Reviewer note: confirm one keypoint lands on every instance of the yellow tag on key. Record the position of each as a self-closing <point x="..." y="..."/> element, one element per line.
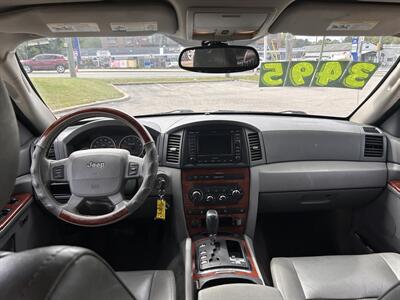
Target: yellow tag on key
<point x="161" y="208"/>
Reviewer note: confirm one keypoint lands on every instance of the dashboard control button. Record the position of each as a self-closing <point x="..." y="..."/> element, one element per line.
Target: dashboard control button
<point x="222" y="198"/>
<point x="236" y="194"/>
<point x="196" y="196"/>
<point x="210" y="198"/>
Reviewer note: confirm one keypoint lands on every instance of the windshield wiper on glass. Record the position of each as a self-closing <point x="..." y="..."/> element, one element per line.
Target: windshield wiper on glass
<point x="293" y="112"/>
<point x="179" y="111"/>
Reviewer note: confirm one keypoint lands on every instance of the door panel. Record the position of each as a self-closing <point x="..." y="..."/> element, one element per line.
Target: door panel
<point x="14" y="224"/>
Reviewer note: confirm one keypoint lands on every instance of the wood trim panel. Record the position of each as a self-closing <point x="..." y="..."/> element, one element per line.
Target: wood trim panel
<point x="15" y="208"/>
<point x="141" y="130"/>
<point x="221" y="272"/>
<point x="100" y="220"/>
<point x="243" y="203"/>
<point x="395" y="184"/>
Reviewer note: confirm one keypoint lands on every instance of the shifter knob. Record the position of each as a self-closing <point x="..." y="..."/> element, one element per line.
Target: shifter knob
<point x="212" y="221"/>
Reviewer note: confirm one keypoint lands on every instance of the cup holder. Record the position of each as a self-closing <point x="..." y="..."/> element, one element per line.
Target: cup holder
<point x="228" y="280"/>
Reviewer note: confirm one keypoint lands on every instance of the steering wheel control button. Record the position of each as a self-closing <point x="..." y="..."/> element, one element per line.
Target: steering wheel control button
<point x="58" y="172"/>
<point x="133" y="169"/>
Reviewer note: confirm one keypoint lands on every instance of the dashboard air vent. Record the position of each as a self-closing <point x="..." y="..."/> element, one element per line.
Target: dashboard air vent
<point x="370" y="130"/>
<point x="255" y="146"/>
<point x="173" y="148"/>
<point x="373" y="146"/>
<point x="51" y="154"/>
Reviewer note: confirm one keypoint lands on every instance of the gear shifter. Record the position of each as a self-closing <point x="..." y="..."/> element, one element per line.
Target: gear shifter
<point x="212" y="223"/>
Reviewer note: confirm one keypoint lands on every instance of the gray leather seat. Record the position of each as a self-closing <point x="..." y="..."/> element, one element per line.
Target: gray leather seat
<point x="65" y="272"/>
<point x="336" y="277"/>
<point x="150" y="284"/>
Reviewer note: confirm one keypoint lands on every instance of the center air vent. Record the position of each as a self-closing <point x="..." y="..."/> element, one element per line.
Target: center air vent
<point x="255" y="146"/>
<point x="173" y="148"/>
<point x="373" y="146"/>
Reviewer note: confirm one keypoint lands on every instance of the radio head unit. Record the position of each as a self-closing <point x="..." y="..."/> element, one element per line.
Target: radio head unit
<point x="214" y="145"/>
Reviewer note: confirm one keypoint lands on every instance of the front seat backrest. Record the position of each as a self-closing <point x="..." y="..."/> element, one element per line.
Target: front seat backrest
<point x="9" y="146"/>
<point x="59" y="272"/>
<point x="392" y="294"/>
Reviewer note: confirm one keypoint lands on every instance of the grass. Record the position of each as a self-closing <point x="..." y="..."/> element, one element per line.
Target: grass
<point x="61" y="93"/>
<point x="65" y="92"/>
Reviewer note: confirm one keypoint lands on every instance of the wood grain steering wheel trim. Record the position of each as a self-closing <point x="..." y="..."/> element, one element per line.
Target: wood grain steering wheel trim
<point x="105" y="219"/>
<point x="139" y="128"/>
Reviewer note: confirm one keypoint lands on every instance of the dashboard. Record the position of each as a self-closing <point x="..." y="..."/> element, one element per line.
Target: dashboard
<point x="244" y="165"/>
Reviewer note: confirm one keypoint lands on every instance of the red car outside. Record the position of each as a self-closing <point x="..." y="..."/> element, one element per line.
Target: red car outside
<point x="46" y="62"/>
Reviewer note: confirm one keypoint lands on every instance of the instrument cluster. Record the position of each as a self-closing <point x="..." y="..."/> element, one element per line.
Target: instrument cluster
<point x="111" y="136"/>
<point x="132" y="143"/>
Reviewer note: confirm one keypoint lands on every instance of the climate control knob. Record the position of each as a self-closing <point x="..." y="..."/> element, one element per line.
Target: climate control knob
<point x="222" y="198"/>
<point x="196" y="196"/>
<point x="236" y="194"/>
<point x="210" y="199"/>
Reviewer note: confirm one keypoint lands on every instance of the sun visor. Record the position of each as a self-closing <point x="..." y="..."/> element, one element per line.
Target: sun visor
<point x="338" y="19"/>
<point x="91" y="19"/>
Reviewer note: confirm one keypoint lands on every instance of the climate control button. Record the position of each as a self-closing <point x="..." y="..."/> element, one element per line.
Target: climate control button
<point x="222" y="198"/>
<point x="196" y="196"/>
<point x="236" y="194"/>
<point x="209" y="199"/>
<point x="215" y="194"/>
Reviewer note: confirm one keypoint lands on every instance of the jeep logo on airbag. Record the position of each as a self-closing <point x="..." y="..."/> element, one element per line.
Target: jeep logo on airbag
<point x="94" y="164"/>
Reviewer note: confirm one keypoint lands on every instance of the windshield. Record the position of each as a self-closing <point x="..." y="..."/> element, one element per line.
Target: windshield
<point x="317" y="75"/>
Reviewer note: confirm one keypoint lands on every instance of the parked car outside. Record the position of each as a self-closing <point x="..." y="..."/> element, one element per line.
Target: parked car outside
<point x="46" y="62"/>
<point x="172" y="65"/>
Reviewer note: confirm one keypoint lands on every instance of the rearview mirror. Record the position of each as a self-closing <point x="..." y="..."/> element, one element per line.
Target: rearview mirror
<point x="219" y="58"/>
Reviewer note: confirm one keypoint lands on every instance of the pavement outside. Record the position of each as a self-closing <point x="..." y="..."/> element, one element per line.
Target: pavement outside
<point x="238" y="95"/>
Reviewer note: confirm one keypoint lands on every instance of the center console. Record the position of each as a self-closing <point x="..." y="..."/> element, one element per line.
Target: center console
<point x="227" y="260"/>
<point x="215" y="175"/>
<point x="216" y="184"/>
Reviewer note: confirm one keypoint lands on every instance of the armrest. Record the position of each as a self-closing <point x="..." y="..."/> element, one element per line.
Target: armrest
<point x="240" y="291"/>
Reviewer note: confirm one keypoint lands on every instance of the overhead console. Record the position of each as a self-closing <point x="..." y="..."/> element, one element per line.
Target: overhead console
<point x="225" y="24"/>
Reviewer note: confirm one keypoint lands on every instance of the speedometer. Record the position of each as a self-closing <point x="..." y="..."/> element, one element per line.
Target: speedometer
<point x="102" y="142"/>
<point x="133" y="144"/>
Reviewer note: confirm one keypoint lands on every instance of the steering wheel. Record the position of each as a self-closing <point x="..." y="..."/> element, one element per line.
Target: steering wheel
<point x="95" y="173"/>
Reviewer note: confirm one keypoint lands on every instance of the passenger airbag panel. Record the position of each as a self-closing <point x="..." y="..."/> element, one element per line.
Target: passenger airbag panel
<point x="321" y="175"/>
<point x="316" y="200"/>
